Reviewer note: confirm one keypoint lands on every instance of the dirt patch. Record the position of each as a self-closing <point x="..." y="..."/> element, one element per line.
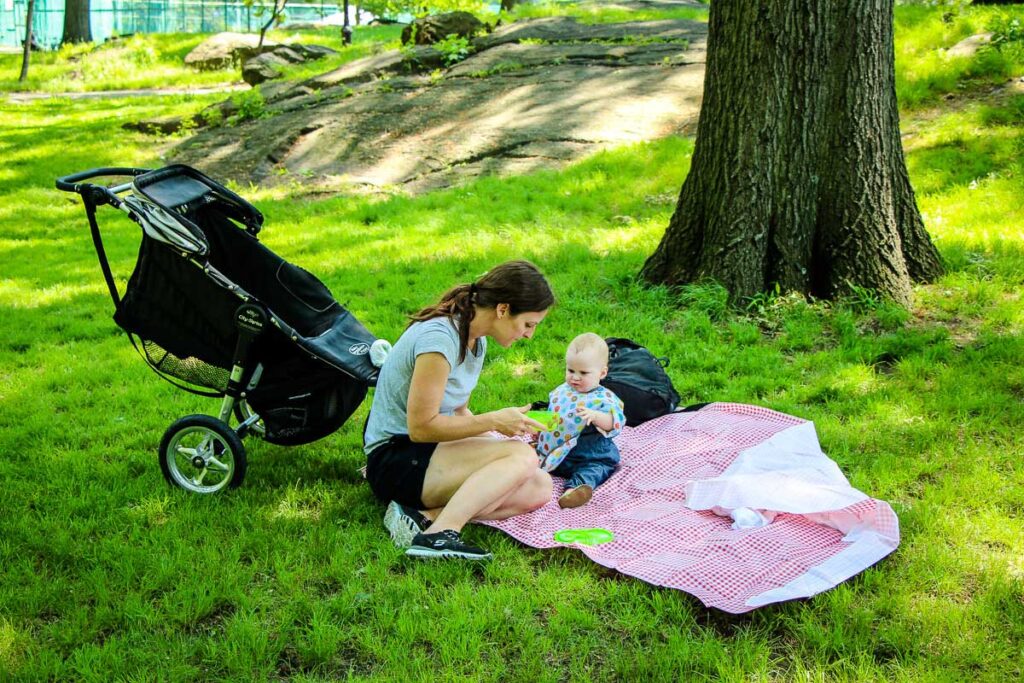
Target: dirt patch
<point x="535" y="94"/>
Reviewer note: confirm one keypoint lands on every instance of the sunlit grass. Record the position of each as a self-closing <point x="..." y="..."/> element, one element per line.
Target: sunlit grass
<point x="925" y="71"/>
<point x="107" y="574"/>
<point x="604" y="14"/>
<point x="158" y="61"/>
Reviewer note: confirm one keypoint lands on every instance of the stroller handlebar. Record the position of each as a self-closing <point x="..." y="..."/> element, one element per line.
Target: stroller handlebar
<point x="71" y="183"/>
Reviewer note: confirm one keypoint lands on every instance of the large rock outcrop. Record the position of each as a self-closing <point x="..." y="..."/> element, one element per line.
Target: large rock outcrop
<point x="387" y="123"/>
<point x="436" y="27"/>
<point x="222" y="50"/>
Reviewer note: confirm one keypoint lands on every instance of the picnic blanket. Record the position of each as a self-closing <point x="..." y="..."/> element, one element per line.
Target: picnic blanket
<point x="734" y="504"/>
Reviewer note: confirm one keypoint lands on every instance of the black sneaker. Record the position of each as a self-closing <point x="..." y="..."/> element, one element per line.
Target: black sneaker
<point x="403" y="523"/>
<point x="445" y="544"/>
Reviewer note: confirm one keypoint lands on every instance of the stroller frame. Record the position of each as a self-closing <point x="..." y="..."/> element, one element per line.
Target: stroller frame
<point x="201" y="453"/>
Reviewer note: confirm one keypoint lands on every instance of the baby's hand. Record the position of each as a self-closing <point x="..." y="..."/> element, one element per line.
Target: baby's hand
<point x="603" y="421"/>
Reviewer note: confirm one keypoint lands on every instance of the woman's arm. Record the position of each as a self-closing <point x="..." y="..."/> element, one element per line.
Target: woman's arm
<point x="427" y="424"/>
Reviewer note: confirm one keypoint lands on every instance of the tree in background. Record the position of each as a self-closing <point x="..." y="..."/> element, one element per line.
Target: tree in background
<point x="275" y="9"/>
<point x="28" y="41"/>
<point x="798" y="179"/>
<point x="76" y="22"/>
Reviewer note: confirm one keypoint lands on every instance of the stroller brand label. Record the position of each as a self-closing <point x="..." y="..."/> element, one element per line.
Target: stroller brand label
<point x="360" y="349"/>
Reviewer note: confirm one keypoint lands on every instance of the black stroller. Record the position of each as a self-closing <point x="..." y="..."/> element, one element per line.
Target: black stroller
<point x="218" y="314"/>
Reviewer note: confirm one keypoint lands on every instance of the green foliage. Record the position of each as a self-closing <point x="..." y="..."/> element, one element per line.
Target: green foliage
<point x="250" y="105"/>
<point x="393" y="8"/>
<point x="925" y="71"/>
<point x="1008" y="35"/>
<point x="598" y="13"/>
<point x="453" y="48"/>
<point x="211" y="117"/>
<point x="157" y="61"/>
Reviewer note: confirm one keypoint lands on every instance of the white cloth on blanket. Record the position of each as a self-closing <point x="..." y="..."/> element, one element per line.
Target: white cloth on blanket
<point x="786" y="473"/>
<point x="789" y="473"/>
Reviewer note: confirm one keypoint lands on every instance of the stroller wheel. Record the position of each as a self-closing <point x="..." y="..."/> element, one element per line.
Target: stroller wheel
<point x="243" y="411"/>
<point x="201" y="454"/>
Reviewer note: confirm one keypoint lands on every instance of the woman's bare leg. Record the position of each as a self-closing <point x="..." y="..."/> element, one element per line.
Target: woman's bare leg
<point x="534" y="493"/>
<point x="472" y="476"/>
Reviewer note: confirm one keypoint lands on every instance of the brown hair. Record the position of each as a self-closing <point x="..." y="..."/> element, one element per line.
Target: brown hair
<point x="516" y="283"/>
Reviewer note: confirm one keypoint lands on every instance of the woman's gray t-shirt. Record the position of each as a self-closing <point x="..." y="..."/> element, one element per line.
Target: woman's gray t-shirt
<point x="390" y="409"/>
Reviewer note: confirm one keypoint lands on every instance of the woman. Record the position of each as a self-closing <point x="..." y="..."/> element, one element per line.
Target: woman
<point x="426" y="452"/>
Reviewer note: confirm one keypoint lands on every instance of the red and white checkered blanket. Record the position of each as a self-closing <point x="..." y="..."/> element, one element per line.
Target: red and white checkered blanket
<point x="681" y="478"/>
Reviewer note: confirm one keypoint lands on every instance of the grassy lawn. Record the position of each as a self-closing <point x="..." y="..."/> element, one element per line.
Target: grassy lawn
<point x="108" y="574"/>
<point x="158" y="61"/>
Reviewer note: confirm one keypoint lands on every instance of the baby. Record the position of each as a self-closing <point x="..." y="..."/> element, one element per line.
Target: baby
<point x="580" y="447"/>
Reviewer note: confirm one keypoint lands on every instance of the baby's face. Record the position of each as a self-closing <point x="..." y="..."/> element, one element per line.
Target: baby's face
<point x="584" y="370"/>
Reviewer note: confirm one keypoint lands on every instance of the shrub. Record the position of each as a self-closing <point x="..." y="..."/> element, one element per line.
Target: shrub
<point x="453" y="48"/>
<point x="251" y="106"/>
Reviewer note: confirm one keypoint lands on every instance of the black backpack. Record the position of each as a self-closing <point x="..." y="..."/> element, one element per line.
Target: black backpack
<point x="640" y="380"/>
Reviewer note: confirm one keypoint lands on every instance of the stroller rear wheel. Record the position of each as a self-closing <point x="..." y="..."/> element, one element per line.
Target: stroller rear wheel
<point x="201" y="454"/>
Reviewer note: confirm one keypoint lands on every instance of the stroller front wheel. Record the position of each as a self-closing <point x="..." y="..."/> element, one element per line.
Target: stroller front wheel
<point x="201" y="454"/>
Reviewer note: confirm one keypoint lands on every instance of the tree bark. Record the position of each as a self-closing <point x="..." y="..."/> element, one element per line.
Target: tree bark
<point x="77" y="28"/>
<point x="27" y="52"/>
<point x="798" y="177"/>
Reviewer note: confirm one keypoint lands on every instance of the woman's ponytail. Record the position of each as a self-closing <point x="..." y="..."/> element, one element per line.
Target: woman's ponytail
<point x="516" y="283"/>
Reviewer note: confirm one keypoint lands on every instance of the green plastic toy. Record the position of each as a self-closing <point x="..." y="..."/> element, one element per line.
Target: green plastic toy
<point x="545" y="417"/>
<point x="584" y="536"/>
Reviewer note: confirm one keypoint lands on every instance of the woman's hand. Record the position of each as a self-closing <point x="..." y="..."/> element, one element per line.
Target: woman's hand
<point x="513" y="422"/>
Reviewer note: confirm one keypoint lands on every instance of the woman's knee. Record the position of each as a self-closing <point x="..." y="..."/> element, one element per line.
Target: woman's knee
<point x="540" y="486"/>
<point x="524" y="459"/>
<point x="534" y="493"/>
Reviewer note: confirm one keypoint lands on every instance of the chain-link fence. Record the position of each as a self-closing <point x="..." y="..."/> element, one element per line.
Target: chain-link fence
<point x="122" y="17"/>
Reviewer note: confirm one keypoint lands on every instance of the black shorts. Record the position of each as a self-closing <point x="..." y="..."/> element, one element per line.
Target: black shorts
<point x="396" y="469"/>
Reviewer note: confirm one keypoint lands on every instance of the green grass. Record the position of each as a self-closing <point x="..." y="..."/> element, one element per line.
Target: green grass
<point x="158" y="61"/>
<point x="603" y="14"/>
<point x="925" y="71"/>
<point x="108" y="574"/>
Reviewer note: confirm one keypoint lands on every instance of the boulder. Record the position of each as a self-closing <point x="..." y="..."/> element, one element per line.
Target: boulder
<point x="970" y="45"/>
<point x="262" y="68"/>
<point x="312" y="52"/>
<point x="222" y="50"/>
<point x="431" y="29"/>
<point x="165" y="125"/>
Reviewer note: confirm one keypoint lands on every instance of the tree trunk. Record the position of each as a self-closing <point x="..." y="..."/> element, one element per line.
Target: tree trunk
<point x="25" y="55"/>
<point x="274" y="14"/>
<point x="798" y="177"/>
<point x="77" y="28"/>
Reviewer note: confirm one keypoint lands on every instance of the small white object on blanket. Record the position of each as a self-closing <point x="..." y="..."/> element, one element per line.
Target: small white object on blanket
<point x="745" y="518"/>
